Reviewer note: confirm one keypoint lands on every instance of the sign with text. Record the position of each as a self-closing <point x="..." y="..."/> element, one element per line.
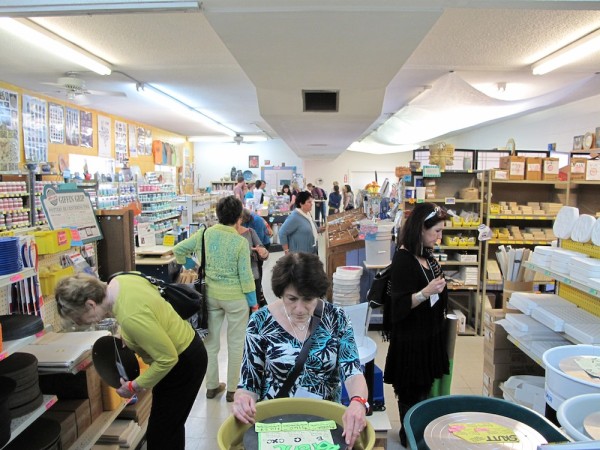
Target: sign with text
<point x="71" y="208"/>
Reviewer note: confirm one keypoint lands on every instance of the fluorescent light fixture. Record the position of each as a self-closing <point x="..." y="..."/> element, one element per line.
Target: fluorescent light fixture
<point x="225" y="139"/>
<point x="569" y="54"/>
<point x="52" y="43"/>
<point x="177" y="105"/>
<point x="20" y="8"/>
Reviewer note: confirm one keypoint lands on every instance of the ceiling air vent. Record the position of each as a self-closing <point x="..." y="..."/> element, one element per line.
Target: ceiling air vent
<point x="320" y="101"/>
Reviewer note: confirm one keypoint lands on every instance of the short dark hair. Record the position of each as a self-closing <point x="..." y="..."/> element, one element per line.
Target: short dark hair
<point x="410" y="235"/>
<point x="257" y="183"/>
<point x="303" y="271"/>
<point x="240" y="179"/>
<point x="348" y="188"/>
<point x="229" y="210"/>
<point x="301" y="198"/>
<point x="336" y="188"/>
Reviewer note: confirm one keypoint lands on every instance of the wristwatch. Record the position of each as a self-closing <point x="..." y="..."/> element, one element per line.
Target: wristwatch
<point x="362" y="400"/>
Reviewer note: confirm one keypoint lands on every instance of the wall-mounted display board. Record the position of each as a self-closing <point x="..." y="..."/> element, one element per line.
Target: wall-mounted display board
<point x="277" y="176"/>
<point x="68" y="207"/>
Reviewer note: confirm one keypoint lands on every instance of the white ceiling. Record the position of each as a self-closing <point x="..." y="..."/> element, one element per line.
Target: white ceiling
<point x="245" y="62"/>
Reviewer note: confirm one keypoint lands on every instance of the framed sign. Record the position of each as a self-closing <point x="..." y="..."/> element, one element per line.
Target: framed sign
<point x="69" y="207"/>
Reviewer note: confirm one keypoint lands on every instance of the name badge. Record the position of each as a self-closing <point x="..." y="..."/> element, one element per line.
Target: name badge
<point x="433" y="299"/>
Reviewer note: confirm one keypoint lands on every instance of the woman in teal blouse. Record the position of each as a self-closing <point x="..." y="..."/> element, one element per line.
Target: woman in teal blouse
<point x="230" y="290"/>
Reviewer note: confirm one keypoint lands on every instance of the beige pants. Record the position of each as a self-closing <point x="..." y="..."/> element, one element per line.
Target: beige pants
<point x="236" y="312"/>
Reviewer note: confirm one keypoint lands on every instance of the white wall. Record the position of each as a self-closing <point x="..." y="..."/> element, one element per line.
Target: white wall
<point x="535" y="131"/>
<point x="213" y="161"/>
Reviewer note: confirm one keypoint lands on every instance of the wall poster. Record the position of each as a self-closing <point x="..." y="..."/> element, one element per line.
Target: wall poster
<point x="148" y="150"/>
<point x="72" y="127"/>
<point x="57" y="123"/>
<point x="141" y="140"/>
<point x="120" y="141"/>
<point x="104" y="136"/>
<point x="132" y="139"/>
<point x="9" y="131"/>
<point x="86" y="129"/>
<point x="35" y="133"/>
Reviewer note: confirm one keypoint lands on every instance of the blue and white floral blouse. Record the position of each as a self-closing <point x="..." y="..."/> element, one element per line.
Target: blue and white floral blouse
<point x="270" y="353"/>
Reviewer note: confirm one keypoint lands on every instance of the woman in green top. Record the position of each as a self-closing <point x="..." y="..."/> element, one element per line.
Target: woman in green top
<point x="150" y="327"/>
<point x="230" y="290"/>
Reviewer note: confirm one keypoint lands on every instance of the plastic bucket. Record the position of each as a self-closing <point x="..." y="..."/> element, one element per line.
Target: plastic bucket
<point x="562" y="385"/>
<point x="573" y="412"/>
<point x="231" y="432"/>
<point x="349" y="271"/>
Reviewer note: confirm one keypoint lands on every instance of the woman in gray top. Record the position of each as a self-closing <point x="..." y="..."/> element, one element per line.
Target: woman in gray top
<point x="299" y="231"/>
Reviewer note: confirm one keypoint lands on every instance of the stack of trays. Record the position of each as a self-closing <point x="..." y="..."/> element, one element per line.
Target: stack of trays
<point x="23" y="369"/>
<point x="539" y="347"/>
<point x="10" y="260"/>
<point x="542" y="255"/>
<point x="43" y="434"/>
<point x="585" y="270"/>
<point x="526" y="302"/>
<point x="346" y="285"/>
<point x="586" y="333"/>
<point x="561" y="259"/>
<point x="525" y="328"/>
<point x="555" y="317"/>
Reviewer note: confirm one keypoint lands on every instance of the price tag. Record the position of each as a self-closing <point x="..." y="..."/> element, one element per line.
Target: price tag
<point x="450" y="201"/>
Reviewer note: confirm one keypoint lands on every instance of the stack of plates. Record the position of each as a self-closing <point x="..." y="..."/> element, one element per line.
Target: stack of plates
<point x="542" y="255"/>
<point x="10" y="262"/>
<point x="23" y="369"/>
<point x="346" y="285"/>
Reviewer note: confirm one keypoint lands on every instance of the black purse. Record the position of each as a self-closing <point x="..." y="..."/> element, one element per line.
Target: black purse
<point x="201" y="319"/>
<point x="184" y="298"/>
<point x="379" y="293"/>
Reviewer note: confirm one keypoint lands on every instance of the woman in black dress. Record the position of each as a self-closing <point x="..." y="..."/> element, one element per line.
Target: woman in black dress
<point x="414" y="319"/>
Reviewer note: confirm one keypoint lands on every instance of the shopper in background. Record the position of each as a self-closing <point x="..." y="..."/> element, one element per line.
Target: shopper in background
<point x="295" y="190"/>
<point x="320" y="198"/>
<point x="249" y="195"/>
<point x="259" y="193"/>
<point x="230" y="290"/>
<point x="414" y="319"/>
<point x="150" y="327"/>
<point x="348" y="197"/>
<point x="238" y="190"/>
<point x="299" y="231"/>
<point x="335" y="200"/>
<point x="259" y="227"/>
<point x="275" y="336"/>
<point x="285" y="190"/>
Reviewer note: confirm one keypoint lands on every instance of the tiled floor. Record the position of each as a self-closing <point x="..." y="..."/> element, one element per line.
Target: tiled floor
<point x="207" y="415"/>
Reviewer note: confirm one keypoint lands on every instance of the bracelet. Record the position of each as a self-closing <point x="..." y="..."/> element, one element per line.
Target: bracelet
<point x="361" y="400"/>
<point x="130" y="387"/>
<point x="420" y="297"/>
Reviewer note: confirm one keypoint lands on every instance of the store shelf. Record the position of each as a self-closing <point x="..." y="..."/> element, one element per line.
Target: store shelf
<point x="458" y="263"/>
<point x="82" y="363"/>
<point x="559" y="184"/>
<point x="563" y="279"/>
<point x="10" y="347"/>
<point x="20" y="424"/>
<point x="11" y="278"/>
<point x="521" y="217"/>
<point x="520" y="242"/>
<point x="521" y="346"/>
<point x="96" y="429"/>
<point x="474" y="248"/>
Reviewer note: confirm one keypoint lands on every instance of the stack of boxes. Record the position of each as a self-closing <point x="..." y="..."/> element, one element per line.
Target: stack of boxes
<point x="501" y="358"/>
<point x="521" y="168"/>
<point x="341" y="228"/>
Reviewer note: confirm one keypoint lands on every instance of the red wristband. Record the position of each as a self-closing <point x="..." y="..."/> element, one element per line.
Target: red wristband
<point x="130" y="387"/>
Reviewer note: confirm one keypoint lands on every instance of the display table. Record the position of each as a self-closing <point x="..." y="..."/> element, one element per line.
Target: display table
<point x="157" y="261"/>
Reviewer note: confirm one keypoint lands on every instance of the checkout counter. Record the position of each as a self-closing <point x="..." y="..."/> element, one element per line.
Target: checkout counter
<point x="157" y="261"/>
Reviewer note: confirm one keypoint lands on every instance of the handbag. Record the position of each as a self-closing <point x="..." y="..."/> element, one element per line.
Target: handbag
<point x="201" y="320"/>
<point x="379" y="294"/>
<point x="301" y="358"/>
<point x="185" y="299"/>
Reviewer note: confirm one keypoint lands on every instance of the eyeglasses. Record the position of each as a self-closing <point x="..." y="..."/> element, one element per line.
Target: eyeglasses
<point x="436" y="211"/>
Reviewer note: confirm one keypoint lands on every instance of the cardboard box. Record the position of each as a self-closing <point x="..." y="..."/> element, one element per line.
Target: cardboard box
<point x="550" y="168"/>
<point x="514" y="286"/>
<point x="81" y="408"/>
<point x="503" y="372"/>
<point x="506" y="356"/>
<point x="533" y="168"/>
<point x="498" y="174"/>
<point x="490" y="316"/>
<point x="493" y="389"/>
<point x="578" y="166"/>
<point x="592" y="170"/>
<point x="461" y="320"/>
<point x="515" y="166"/>
<point x="495" y="337"/>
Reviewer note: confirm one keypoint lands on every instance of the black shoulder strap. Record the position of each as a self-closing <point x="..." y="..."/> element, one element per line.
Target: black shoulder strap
<point x="152" y="280"/>
<point x="202" y="268"/>
<point x="301" y="358"/>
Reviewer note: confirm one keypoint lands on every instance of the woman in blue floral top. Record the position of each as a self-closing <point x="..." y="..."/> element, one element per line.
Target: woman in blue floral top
<point x="274" y="338"/>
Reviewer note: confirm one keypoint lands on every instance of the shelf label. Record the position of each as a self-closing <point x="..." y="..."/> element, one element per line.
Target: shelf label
<point x="16" y="277"/>
<point x="450" y="201"/>
<point x="51" y="403"/>
<point x="169" y="240"/>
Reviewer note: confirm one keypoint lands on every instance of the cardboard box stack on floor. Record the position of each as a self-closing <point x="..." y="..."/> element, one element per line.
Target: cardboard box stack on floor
<point x="501" y="359"/>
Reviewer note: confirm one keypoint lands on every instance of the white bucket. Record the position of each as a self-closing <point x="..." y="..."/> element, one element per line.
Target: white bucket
<point x="573" y="412"/>
<point x="378" y="252"/>
<point x="349" y="271"/>
<point x="561" y="384"/>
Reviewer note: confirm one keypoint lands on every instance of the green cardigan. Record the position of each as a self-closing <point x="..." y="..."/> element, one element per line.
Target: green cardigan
<point x="228" y="270"/>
